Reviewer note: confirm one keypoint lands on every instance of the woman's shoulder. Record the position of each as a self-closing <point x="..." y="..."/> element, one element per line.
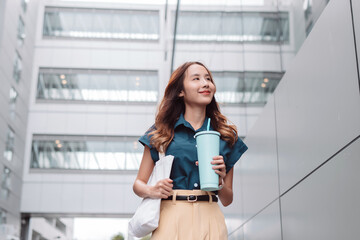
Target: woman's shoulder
<point x="145" y="140"/>
<point x="147" y="134"/>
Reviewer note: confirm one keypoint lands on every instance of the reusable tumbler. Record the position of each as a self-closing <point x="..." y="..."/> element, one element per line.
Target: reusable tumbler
<point x="208" y="146"/>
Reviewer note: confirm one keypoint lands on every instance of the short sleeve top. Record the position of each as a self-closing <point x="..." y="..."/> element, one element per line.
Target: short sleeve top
<point x="184" y="172"/>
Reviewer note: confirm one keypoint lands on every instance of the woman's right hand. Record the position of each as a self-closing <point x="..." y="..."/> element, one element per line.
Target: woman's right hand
<point x="162" y="189"/>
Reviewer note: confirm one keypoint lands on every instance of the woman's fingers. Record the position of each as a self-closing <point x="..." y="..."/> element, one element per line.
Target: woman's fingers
<point x="222" y="174"/>
<point x="219" y="166"/>
<point x="218" y="162"/>
<point x="163" y="188"/>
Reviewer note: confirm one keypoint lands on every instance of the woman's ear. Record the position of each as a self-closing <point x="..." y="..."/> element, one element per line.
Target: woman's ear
<point x="181" y="94"/>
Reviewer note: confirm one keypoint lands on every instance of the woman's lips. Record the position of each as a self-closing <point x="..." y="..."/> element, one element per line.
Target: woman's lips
<point x="205" y="92"/>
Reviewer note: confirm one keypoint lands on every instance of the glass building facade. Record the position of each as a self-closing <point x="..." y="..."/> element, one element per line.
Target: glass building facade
<point x="9" y="145"/>
<point x="85" y="153"/>
<point x="249" y="27"/>
<point x="97" y="85"/>
<point x="17" y="69"/>
<point x="245" y="87"/>
<point x="101" y="23"/>
<point x="5" y="183"/>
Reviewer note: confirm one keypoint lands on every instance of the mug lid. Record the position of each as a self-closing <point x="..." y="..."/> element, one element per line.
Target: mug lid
<point x="206" y="132"/>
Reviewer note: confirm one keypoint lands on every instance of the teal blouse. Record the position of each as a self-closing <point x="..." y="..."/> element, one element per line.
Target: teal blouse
<point x="184" y="172"/>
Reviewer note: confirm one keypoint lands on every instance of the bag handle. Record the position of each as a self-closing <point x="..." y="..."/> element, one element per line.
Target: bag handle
<point x="161" y="153"/>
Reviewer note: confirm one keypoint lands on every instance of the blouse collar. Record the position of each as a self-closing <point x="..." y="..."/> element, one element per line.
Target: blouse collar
<point x="182" y="121"/>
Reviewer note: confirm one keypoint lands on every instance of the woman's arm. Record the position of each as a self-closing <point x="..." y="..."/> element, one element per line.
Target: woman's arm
<point x="226" y="193"/>
<point x="162" y="189"/>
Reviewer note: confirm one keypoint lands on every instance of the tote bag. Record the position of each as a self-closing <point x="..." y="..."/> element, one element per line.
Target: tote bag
<point x="146" y="217"/>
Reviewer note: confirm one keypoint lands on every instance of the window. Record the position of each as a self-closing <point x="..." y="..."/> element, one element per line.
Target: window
<point x="245" y="87"/>
<point x="21" y="32"/>
<point x="98" y="85"/>
<point x="309" y="27"/>
<point x="2" y="216"/>
<point x="37" y="236"/>
<point x="307" y="6"/>
<point x="5" y="183"/>
<point x="9" y="145"/>
<point x="85" y="152"/>
<point x="24" y="4"/>
<point x="60" y="225"/>
<point x="17" y="67"/>
<point x="12" y="102"/>
<point x="252" y="27"/>
<point x="101" y="23"/>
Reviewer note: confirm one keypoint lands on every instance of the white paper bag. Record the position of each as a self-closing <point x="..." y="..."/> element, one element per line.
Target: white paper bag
<point x="146" y="217"/>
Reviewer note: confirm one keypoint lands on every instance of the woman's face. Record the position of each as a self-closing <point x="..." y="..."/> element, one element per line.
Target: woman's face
<point x="198" y="87"/>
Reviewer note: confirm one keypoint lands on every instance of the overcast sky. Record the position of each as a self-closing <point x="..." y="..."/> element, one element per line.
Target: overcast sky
<point x="99" y="228"/>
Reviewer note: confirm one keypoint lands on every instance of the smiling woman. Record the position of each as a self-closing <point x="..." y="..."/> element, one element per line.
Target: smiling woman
<point x="199" y="87"/>
<point x="185" y="110"/>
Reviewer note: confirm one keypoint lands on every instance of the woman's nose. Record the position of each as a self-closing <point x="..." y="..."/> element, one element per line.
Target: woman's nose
<point x="204" y="82"/>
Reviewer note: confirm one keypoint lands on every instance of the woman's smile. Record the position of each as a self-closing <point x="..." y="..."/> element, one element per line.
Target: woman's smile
<point x="197" y="82"/>
<point x="205" y="92"/>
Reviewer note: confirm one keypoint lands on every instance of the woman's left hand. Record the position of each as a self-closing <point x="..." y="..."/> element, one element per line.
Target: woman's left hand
<point x="219" y="167"/>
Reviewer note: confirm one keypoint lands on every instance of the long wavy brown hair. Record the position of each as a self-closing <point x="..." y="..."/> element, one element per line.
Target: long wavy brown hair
<point x="172" y="106"/>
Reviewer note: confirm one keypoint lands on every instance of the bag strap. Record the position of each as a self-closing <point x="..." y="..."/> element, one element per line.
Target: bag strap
<point x="161" y="153"/>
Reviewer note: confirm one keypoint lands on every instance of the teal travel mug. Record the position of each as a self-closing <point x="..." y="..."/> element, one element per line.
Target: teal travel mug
<point x="208" y="146"/>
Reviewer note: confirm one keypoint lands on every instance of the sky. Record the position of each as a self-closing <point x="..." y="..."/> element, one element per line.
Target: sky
<point x="99" y="228"/>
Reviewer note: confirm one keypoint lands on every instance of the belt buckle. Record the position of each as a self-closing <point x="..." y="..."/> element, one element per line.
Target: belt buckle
<point x="192" y="198"/>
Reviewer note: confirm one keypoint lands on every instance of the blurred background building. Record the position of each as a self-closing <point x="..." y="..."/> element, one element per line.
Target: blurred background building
<point x="81" y="80"/>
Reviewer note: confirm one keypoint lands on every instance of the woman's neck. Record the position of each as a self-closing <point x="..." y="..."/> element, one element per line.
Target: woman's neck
<point x="195" y="116"/>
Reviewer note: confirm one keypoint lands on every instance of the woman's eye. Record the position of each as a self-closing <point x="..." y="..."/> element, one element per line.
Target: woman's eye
<point x="196" y="78"/>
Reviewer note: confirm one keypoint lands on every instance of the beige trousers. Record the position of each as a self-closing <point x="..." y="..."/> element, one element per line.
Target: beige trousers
<point x="183" y="220"/>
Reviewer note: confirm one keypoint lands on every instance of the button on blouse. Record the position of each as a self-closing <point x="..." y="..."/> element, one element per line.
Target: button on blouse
<point x="184" y="171"/>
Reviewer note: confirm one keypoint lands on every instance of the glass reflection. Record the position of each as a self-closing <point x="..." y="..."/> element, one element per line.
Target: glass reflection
<point x="57" y="152"/>
<point x="254" y="27"/>
<point x="98" y="85"/>
<point x="5" y="183"/>
<point x="2" y="216"/>
<point x="9" y="145"/>
<point x="101" y="23"/>
<point x="245" y="87"/>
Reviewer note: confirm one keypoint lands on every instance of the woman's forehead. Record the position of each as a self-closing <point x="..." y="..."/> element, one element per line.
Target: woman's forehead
<point x="196" y="69"/>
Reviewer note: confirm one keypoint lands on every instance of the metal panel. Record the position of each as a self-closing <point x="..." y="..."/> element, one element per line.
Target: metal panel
<point x="356" y="16"/>
<point x="265" y="225"/>
<point x="259" y="169"/>
<point x="326" y="205"/>
<point x="236" y="235"/>
<point x="50" y="197"/>
<point x="72" y="197"/>
<point x="234" y="213"/>
<point x="317" y="101"/>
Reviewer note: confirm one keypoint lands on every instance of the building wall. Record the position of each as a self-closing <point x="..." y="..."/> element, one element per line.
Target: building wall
<point x="47" y="228"/>
<point x="82" y="193"/>
<point x="10" y="12"/>
<point x="2" y="9"/>
<point x="76" y="193"/>
<point x="355" y="8"/>
<point x="298" y="179"/>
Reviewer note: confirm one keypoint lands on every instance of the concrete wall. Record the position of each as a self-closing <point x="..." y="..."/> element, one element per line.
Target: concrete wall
<point x="299" y="178"/>
<point x="10" y="11"/>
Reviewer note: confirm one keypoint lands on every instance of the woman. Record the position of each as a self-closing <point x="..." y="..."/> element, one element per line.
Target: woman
<point x="187" y="104"/>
